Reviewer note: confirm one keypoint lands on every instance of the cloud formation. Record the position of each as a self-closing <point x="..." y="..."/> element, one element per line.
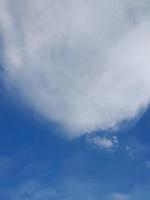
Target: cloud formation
<point x="84" y="64"/>
<point x="103" y="142"/>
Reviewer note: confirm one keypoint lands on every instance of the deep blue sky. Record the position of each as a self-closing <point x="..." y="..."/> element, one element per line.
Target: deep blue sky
<point x="37" y="163"/>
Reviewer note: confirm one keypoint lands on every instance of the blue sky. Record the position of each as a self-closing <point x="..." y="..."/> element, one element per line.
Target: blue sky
<point x="74" y="100"/>
<point x="37" y="163"/>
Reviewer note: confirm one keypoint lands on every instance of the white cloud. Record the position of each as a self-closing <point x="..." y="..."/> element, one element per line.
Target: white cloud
<point x="84" y="64"/>
<point x="103" y="142"/>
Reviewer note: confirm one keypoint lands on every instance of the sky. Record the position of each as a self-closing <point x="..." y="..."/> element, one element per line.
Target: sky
<point x="74" y="100"/>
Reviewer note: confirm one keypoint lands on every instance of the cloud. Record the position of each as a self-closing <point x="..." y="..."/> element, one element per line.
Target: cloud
<point x="34" y="182"/>
<point x="36" y="190"/>
<point x="83" y="64"/>
<point x="103" y="142"/>
<point x="31" y="189"/>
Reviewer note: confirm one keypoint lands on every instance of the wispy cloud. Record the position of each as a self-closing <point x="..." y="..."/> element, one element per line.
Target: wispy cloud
<point x="103" y="142"/>
<point x="33" y="181"/>
<point x="138" y="193"/>
<point x="119" y="196"/>
<point x="83" y="64"/>
<point x="72" y="190"/>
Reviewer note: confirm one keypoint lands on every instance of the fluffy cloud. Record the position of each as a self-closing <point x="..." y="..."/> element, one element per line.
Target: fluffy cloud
<point x="84" y="64"/>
